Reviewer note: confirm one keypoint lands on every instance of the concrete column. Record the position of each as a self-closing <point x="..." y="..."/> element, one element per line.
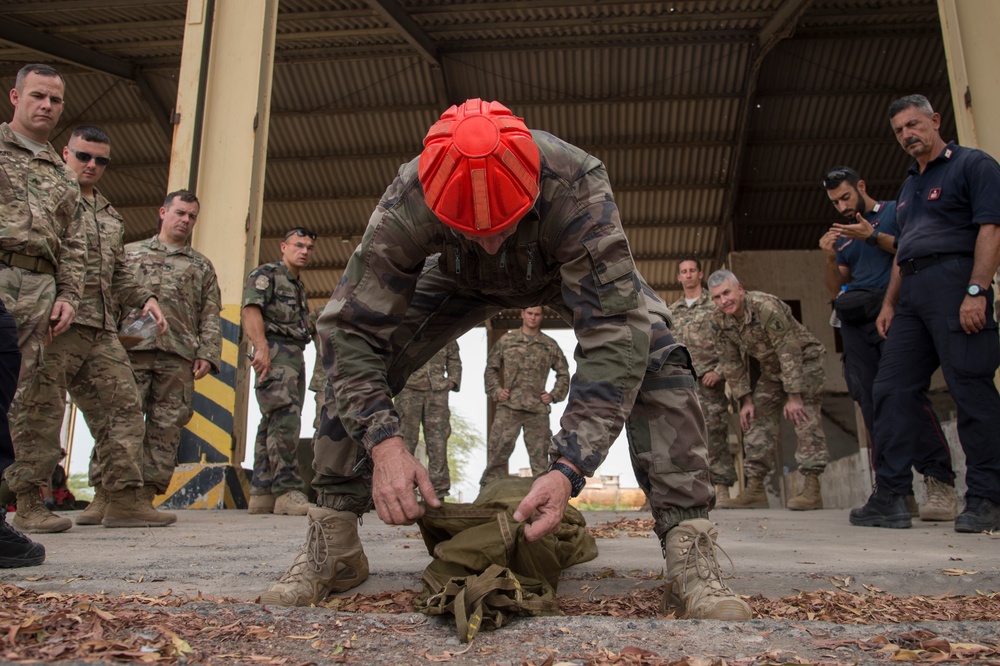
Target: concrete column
<point x="219" y="152"/>
<point x="973" y="51"/>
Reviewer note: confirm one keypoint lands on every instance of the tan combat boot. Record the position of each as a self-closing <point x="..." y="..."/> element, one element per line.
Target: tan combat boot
<point x="721" y="496"/>
<point x="133" y="507"/>
<point x="261" y="504"/>
<point x="941" y="503"/>
<point x="34" y="517"/>
<point x="809" y="499"/>
<point x="331" y="560"/>
<point x="292" y="503"/>
<point x="753" y="496"/>
<point x="911" y="506"/>
<point x="694" y="584"/>
<point x="94" y="513"/>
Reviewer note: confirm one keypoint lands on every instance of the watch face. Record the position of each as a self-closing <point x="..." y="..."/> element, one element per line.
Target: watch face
<point x="974" y="290"/>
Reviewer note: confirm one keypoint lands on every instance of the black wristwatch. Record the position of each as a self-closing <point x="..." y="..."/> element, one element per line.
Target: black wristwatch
<point x="576" y="480"/>
<point x="873" y="239"/>
<point x="975" y="290"/>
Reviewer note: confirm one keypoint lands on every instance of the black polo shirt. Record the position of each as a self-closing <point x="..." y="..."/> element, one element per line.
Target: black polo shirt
<point x="939" y="211"/>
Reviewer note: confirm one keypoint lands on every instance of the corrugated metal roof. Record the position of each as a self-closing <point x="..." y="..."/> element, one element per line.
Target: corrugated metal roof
<point x="657" y="90"/>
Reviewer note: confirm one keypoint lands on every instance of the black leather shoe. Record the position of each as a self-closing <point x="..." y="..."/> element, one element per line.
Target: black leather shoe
<point x="883" y="509"/>
<point x="17" y="550"/>
<point x="980" y="515"/>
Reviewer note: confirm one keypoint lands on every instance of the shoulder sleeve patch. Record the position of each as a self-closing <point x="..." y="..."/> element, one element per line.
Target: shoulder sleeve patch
<point x="261" y="283"/>
<point x="776" y="324"/>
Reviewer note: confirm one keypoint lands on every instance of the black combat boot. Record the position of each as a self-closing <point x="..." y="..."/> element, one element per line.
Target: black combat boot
<point x="884" y="509"/>
<point x="17" y="550"/>
<point x="980" y="515"/>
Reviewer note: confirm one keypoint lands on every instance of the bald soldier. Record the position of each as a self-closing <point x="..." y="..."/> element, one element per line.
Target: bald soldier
<point x="759" y="326"/>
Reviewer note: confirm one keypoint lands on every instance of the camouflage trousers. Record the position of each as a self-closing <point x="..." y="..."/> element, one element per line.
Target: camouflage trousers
<point x="166" y="389"/>
<point x="430" y="408"/>
<point x="769" y="400"/>
<point x="28" y="297"/>
<point x="715" y="405"/>
<point x="92" y="365"/>
<point x="666" y="428"/>
<point x="507" y="424"/>
<point x="280" y="394"/>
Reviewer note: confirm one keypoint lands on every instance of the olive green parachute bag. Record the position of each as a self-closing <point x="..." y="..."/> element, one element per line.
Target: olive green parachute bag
<point x="484" y="571"/>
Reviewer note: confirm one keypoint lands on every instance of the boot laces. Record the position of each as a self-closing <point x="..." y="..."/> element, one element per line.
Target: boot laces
<point x="700" y="557"/>
<point x="314" y="553"/>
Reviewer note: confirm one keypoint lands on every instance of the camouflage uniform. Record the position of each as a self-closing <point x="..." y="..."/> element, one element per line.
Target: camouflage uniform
<point x="525" y="361"/>
<point x="693" y="328"/>
<point x="396" y="306"/>
<point x="90" y="362"/>
<point x="425" y="398"/>
<point x="791" y="361"/>
<point x="281" y="298"/>
<point x="187" y="290"/>
<point x="42" y="243"/>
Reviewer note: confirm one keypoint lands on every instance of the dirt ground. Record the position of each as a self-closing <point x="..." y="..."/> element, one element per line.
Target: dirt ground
<point x="185" y="594"/>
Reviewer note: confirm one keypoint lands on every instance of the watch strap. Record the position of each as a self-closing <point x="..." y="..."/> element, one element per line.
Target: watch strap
<point x="576" y="480"/>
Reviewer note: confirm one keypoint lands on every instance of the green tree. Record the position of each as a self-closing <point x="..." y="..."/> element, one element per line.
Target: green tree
<point x="463" y="441"/>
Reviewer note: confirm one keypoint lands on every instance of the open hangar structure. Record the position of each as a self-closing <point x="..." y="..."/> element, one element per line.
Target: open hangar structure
<point x="716" y="120"/>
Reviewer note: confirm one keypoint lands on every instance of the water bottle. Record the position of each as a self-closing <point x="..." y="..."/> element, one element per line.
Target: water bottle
<point x="138" y="331"/>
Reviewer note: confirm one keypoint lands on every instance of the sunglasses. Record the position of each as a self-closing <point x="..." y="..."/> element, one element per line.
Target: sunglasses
<point x="300" y="231"/>
<point x="86" y="157"/>
<point x="837" y="176"/>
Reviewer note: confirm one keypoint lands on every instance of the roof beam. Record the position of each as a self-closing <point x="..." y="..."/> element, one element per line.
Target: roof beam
<point x="780" y="26"/>
<point x="393" y="14"/>
<point x="27" y="37"/>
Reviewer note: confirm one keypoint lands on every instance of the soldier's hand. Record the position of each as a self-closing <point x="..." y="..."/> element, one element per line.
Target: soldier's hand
<point x="544" y="505"/>
<point x="972" y="314"/>
<point x="261" y="361"/>
<point x="200" y="368"/>
<point x="884" y="320"/>
<point x="504" y="395"/>
<point x="828" y="243"/>
<point x="396" y="474"/>
<point x="711" y="378"/>
<point x="795" y="409"/>
<point x="860" y="230"/>
<point x="747" y="414"/>
<point x="153" y="306"/>
<point x="546" y="398"/>
<point x="62" y="316"/>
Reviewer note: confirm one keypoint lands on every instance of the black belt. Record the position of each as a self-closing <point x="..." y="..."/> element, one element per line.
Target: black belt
<point x="33" y="264"/>
<point x="911" y="266"/>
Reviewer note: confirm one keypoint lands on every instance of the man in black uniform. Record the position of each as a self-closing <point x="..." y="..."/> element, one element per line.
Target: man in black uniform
<point x="939" y="305"/>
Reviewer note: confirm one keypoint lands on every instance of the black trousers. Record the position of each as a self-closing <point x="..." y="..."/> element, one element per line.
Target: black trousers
<point x="925" y="334"/>
<point x="10" y="366"/>
<point x="862" y="354"/>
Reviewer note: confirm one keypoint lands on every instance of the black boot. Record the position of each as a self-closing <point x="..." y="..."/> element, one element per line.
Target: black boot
<point x="17" y="550"/>
<point x="980" y="515"/>
<point x="884" y="509"/>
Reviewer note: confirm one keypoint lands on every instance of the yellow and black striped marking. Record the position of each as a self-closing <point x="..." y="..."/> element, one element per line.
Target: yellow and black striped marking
<point x="205" y="477"/>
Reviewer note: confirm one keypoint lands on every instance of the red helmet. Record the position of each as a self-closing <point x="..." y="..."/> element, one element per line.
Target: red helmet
<point x="479" y="168"/>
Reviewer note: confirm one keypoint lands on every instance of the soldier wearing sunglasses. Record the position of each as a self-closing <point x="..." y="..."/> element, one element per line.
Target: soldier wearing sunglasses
<point x="89" y="361"/>
<point x="276" y="319"/>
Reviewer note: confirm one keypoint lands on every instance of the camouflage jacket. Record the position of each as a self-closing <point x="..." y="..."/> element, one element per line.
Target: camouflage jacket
<point x="525" y="361"/>
<point x="770" y="334"/>
<point x="439" y="372"/>
<point x="693" y="328"/>
<point x="40" y="214"/>
<point x="109" y="282"/>
<point x="282" y="300"/>
<point x="569" y="252"/>
<point x="318" y="380"/>
<point x="187" y="290"/>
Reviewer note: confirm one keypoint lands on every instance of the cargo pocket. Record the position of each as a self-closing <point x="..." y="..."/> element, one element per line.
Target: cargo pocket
<point x="613" y="272"/>
<point x="975" y="355"/>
